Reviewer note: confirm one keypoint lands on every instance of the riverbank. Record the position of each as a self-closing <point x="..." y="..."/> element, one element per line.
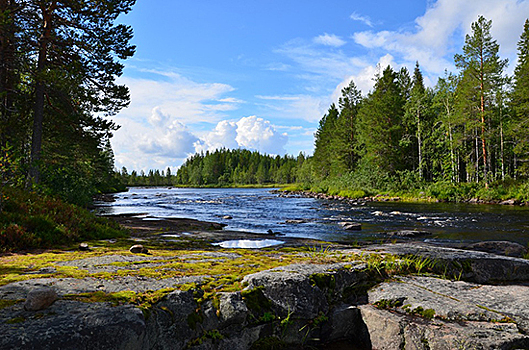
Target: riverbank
<point x="292" y="191"/>
<point x="183" y="292"/>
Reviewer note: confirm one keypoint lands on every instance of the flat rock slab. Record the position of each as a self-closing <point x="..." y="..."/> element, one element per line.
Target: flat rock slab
<point x="64" y="286"/>
<point x="462" y="311"/>
<point x="72" y="325"/>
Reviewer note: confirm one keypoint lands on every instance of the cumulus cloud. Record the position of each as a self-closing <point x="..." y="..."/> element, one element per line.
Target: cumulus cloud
<point x="167" y="137"/>
<point x="329" y="40"/>
<point x="251" y="133"/>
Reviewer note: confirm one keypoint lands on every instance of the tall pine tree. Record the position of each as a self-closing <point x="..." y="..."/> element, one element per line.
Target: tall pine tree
<point x="481" y="70"/>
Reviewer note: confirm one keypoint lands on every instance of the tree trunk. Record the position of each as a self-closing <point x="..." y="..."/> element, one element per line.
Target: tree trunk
<point x="38" y="111"/>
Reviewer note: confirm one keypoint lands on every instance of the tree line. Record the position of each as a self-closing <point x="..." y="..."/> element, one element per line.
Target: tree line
<point x="471" y="127"/>
<point x="58" y="70"/>
<point x="223" y="167"/>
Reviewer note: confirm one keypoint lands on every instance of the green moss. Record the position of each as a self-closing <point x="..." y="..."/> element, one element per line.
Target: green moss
<point x="323" y="281"/>
<point x="255" y="300"/>
<point x="16" y="320"/>
<point x="194" y="318"/>
<point x="8" y="302"/>
<point x="388" y="303"/>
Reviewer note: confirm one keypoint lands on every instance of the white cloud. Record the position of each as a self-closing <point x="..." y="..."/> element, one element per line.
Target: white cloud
<point x="432" y="40"/>
<point x="251" y="133"/>
<point x="184" y="99"/>
<point x="365" y="78"/>
<point x="364" y="19"/>
<point x="329" y="40"/>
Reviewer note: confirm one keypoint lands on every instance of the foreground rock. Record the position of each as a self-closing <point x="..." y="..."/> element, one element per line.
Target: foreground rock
<point x="353" y="304"/>
<point x="431" y="313"/>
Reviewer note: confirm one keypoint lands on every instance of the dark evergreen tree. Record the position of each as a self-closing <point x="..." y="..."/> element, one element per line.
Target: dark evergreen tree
<point x="379" y="129"/>
<point x="520" y="102"/>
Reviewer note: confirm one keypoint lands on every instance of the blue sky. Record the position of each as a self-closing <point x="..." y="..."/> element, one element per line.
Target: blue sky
<point x="260" y="74"/>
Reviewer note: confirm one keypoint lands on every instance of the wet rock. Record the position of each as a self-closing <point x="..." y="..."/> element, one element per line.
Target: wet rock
<point x="409" y="233"/>
<point x="351" y="226"/>
<point x="40" y="299"/>
<point x="296" y="221"/>
<point x="138" y="249"/>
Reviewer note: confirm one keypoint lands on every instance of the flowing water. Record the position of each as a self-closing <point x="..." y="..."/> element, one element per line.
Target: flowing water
<point x="259" y="210"/>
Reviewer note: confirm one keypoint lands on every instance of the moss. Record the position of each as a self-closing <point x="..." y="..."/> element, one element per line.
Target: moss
<point x="255" y="300"/>
<point x="323" y="281"/>
<point x="16" y="320"/>
<point x="8" y="302"/>
<point x="388" y="303"/>
<point x="194" y="318"/>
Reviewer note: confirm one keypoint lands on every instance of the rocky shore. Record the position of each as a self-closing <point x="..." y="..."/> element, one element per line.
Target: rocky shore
<point x="388" y="198"/>
<point x="185" y="293"/>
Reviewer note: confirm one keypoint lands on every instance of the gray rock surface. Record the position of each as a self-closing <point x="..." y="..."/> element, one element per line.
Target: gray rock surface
<point x="321" y="305"/>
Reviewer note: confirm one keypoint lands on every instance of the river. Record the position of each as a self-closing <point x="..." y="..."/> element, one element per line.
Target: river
<point x="259" y="210"/>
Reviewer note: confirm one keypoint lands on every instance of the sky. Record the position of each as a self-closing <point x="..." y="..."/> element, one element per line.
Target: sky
<point x="260" y="74"/>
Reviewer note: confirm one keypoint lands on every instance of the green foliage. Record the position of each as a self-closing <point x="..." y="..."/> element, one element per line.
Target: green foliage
<point x="29" y="221"/>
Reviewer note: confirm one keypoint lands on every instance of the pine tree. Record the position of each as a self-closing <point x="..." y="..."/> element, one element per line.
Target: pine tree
<point x="323" y="143"/>
<point x="481" y="71"/>
<point x="77" y="47"/>
<point x="416" y="108"/>
<point x="344" y="144"/>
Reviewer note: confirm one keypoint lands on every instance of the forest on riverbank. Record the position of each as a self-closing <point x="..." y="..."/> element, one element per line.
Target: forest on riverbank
<point x="468" y="136"/>
<point x="58" y="90"/>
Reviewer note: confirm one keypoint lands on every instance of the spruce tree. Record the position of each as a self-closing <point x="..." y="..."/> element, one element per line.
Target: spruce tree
<point x="379" y="129"/>
<point x="520" y="98"/>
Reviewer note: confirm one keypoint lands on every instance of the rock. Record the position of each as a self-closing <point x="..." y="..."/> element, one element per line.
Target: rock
<point x="351" y="226"/>
<point x="474" y="266"/>
<point x="138" y="249"/>
<point x="227" y="217"/>
<point x="40" y="299"/>
<point x="232" y="308"/>
<point x="408" y="233"/>
<point x="295" y="221"/>
<point x="441" y="313"/>
<point x="84" y="246"/>
<point x="510" y="202"/>
<point x="499" y="247"/>
<point x="72" y="325"/>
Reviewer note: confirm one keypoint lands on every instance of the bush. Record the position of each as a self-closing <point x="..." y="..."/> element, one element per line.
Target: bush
<point x="29" y="220"/>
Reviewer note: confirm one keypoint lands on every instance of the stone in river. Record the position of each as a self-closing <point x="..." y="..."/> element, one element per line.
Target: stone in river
<point x="351" y="226"/>
<point x="409" y="233"/>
